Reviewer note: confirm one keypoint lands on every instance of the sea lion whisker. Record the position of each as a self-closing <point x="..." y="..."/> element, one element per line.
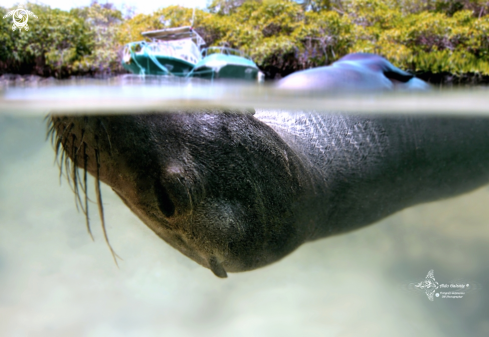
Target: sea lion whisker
<point x="81" y="141"/>
<point x="76" y="180"/>
<point x="82" y="145"/>
<point x="85" y="187"/>
<point x="108" y="137"/>
<point x="67" y="130"/>
<point x="101" y="208"/>
<point x="60" y="138"/>
<point x="51" y="127"/>
<point x="61" y="165"/>
<point x="81" y="181"/>
<point x="67" y="164"/>
<point x="56" y="149"/>
<point x="75" y="187"/>
<point x="50" y="131"/>
<point x="73" y="173"/>
<point x="48" y="116"/>
<point x="53" y="136"/>
<point x="71" y="177"/>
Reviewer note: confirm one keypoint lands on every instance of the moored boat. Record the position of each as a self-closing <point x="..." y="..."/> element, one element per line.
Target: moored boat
<point x="172" y="51"/>
<point x="177" y="52"/>
<point x="226" y="63"/>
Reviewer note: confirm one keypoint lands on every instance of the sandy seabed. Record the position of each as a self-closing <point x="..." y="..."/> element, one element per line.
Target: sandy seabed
<point x="54" y="281"/>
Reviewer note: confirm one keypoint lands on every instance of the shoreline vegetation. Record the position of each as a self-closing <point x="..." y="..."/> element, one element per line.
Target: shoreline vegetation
<point x="441" y="41"/>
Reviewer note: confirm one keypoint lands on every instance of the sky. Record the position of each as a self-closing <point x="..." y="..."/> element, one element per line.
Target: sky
<point x="141" y="6"/>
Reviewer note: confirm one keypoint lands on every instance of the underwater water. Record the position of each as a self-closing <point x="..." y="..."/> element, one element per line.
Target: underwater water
<point x="54" y="281"/>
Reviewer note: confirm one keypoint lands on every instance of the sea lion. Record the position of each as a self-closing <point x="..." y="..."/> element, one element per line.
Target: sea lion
<point x="237" y="190"/>
<point x="353" y="72"/>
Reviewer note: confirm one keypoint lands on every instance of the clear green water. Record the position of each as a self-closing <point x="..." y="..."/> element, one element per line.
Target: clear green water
<point x="54" y="281"/>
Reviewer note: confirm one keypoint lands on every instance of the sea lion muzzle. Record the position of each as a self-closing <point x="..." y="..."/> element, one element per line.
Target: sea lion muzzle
<point x="220" y="187"/>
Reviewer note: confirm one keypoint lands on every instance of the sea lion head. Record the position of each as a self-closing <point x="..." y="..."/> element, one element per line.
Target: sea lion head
<point x="220" y="187"/>
<point x="351" y="73"/>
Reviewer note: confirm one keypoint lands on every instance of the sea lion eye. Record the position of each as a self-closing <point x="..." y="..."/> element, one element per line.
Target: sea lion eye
<point x="164" y="201"/>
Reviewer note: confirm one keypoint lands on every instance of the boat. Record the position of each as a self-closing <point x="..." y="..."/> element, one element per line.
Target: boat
<point x="172" y="51"/>
<point x="226" y="63"/>
<point x="178" y="52"/>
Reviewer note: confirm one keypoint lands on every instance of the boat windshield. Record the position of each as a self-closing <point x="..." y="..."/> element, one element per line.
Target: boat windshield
<point x="223" y="50"/>
<point x="184" y="49"/>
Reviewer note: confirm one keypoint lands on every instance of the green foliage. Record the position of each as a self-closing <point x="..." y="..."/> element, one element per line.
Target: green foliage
<point x="104" y="22"/>
<point x="378" y="14"/>
<point x="58" y="43"/>
<point x="53" y="43"/>
<point x="173" y="16"/>
<point x="282" y="36"/>
<point x="324" y="37"/>
<point x="321" y="5"/>
<point x="225" y="7"/>
<point x="6" y="38"/>
<point x="435" y="43"/>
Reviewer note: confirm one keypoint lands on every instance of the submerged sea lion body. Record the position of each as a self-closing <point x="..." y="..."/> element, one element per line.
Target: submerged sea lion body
<point x="237" y="191"/>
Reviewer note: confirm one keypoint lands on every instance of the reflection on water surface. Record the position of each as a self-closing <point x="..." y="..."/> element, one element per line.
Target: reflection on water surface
<point x="130" y="94"/>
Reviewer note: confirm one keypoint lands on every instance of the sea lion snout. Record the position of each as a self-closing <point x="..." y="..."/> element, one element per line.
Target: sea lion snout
<point x="222" y="188"/>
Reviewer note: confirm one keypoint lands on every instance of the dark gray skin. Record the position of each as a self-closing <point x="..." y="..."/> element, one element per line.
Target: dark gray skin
<point x="235" y="191"/>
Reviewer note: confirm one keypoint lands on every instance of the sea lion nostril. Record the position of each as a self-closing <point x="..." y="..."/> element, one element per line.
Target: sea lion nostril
<point x="164" y="202"/>
<point x="217" y="268"/>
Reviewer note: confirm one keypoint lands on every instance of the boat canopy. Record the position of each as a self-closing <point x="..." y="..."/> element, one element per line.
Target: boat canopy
<point x="183" y="49"/>
<point x="178" y="33"/>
